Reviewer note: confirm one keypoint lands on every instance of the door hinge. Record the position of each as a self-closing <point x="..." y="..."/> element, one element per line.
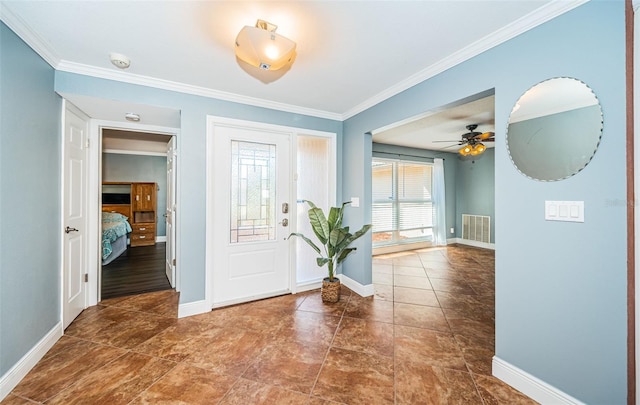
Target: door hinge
<point x="87" y="142"/>
<point x="86" y="277"/>
<point x="174" y="262"/>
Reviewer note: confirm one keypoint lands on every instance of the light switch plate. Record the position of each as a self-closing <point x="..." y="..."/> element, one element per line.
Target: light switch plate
<point x="564" y="211"/>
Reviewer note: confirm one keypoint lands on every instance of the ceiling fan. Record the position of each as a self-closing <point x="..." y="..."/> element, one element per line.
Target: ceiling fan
<point x="472" y="141"/>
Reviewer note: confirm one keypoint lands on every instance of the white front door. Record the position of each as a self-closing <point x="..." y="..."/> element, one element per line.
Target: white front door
<point x="251" y="205"/>
<point x="170" y="212"/>
<point x="74" y="218"/>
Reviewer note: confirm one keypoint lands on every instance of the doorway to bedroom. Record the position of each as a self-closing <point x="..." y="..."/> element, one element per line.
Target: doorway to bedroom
<point x="138" y="211"/>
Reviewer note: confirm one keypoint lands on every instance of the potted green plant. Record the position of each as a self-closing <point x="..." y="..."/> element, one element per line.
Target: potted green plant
<point x="335" y="240"/>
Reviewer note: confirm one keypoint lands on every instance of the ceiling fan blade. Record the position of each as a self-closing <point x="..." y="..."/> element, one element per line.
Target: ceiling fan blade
<point x="445" y="141"/>
<point x="484" y="136"/>
<point x="489" y="140"/>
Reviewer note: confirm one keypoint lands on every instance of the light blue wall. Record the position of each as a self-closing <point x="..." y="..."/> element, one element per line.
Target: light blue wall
<point x="192" y="157"/>
<point x="140" y="168"/>
<point x="560" y="287"/>
<point x="475" y="186"/>
<point x="357" y="183"/>
<point x="450" y="169"/>
<point x="30" y="148"/>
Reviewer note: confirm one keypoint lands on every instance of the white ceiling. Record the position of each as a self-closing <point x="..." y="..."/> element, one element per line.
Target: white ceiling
<point x="350" y="54"/>
<point x="443" y="129"/>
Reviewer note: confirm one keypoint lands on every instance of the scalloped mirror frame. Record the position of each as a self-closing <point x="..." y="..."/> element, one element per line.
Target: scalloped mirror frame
<point x="554" y="129"/>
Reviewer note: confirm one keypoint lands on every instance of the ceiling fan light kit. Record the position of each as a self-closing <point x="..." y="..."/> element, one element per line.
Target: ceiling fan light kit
<point x="262" y="47"/>
<point x="465" y="150"/>
<point x="472" y="141"/>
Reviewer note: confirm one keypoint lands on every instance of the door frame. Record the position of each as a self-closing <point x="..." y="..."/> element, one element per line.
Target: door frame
<point x="632" y="16"/>
<point x="95" y="193"/>
<point x="211" y="250"/>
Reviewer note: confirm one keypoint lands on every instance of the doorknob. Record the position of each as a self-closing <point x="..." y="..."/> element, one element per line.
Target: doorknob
<point x="67" y="230"/>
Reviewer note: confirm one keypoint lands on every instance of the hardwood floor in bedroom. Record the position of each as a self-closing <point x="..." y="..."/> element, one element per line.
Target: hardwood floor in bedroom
<point x="138" y="270"/>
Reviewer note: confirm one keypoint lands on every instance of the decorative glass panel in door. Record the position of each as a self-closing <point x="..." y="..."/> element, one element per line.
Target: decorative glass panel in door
<point x="253" y="187"/>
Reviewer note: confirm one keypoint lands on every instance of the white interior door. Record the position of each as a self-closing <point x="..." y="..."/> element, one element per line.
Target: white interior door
<point x="250" y="208"/>
<point x="170" y="212"/>
<point x="74" y="220"/>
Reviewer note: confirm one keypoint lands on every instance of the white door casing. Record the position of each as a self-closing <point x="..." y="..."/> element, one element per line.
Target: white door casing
<point x="251" y="259"/>
<point x="170" y="212"/>
<point x="74" y="217"/>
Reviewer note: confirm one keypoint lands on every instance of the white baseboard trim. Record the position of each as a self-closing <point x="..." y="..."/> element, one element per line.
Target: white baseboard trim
<point x="473" y="243"/>
<point x="12" y="377"/>
<point x="193" y="308"/>
<point x="362" y="290"/>
<point x="308" y="285"/>
<point x="353" y="285"/>
<point x="529" y="385"/>
<point x="161" y="239"/>
<point x="200" y="307"/>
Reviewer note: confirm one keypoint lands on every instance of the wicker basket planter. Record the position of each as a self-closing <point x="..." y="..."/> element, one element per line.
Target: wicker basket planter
<point x="330" y="290"/>
<point x="335" y="239"/>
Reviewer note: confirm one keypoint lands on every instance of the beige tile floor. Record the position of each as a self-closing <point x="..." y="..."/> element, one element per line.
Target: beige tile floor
<point x="425" y="337"/>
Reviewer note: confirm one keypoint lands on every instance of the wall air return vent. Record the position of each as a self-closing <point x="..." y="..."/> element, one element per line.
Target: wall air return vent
<point x="476" y="227"/>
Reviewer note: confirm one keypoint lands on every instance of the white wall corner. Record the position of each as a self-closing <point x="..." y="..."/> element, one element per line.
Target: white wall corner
<point x="12" y="377"/>
<point x="353" y="285"/>
<point x="193" y="308"/>
<point x="529" y="385"/>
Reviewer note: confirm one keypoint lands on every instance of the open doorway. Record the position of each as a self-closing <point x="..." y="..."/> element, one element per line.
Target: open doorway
<point x="405" y="198"/>
<point x="99" y="114"/>
<point x="136" y="212"/>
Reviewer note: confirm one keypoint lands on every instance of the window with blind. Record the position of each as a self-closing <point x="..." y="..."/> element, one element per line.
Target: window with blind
<point x="402" y="202"/>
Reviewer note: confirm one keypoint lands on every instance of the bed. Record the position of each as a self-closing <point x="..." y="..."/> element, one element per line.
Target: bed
<point x="115" y="228"/>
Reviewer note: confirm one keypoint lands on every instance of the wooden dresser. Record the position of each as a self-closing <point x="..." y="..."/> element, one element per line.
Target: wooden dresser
<point x="143" y="208"/>
<point x="142" y="212"/>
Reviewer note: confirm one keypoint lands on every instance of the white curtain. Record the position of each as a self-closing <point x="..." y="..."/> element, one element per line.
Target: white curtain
<point x="440" y="220"/>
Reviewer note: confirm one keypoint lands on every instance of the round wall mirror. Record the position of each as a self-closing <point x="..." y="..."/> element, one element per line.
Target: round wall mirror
<point x="554" y="129"/>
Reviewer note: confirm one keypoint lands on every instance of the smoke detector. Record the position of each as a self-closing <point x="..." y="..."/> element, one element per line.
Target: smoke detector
<point x="119" y="60"/>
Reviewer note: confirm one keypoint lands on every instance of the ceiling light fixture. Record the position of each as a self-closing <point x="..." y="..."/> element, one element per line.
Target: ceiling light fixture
<point x="261" y="47"/>
<point x="132" y="117"/>
<point x="119" y="60"/>
<point x="465" y="150"/>
<point x="474" y="149"/>
<point x="478" y="149"/>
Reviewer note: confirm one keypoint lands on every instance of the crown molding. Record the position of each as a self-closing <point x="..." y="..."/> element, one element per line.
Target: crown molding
<point x="148" y="81"/>
<point x="35" y="41"/>
<point x="537" y="17"/>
